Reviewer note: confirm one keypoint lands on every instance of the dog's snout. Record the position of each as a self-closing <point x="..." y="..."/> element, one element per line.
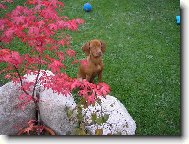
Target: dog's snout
<point x="99" y="53"/>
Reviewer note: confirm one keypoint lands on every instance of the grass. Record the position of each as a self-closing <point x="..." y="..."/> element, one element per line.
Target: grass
<point x="142" y="61"/>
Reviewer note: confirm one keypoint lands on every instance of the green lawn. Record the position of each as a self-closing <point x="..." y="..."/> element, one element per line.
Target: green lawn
<point x="142" y="61"/>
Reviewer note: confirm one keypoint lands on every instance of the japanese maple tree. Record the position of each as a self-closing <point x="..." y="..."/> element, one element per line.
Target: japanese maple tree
<point x="35" y="24"/>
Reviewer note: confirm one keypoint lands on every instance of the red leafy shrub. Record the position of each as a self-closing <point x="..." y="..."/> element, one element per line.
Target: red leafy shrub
<point x="90" y="91"/>
<point x="36" y="26"/>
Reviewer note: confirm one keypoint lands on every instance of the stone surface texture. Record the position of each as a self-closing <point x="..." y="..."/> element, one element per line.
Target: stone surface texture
<point x="12" y="117"/>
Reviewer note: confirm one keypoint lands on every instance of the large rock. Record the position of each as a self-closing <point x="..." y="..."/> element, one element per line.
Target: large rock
<point x="54" y="108"/>
<point x="12" y="117"/>
<point x="119" y="121"/>
<point x="53" y="112"/>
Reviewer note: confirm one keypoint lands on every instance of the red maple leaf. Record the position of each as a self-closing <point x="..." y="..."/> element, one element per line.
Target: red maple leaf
<point x="25" y="97"/>
<point x="91" y="98"/>
<point x="33" y="31"/>
<point x="79" y="21"/>
<point x="75" y="62"/>
<point x="61" y="42"/>
<point x="2" y="6"/>
<point x="11" y="57"/>
<point x="61" y="24"/>
<point x="102" y="89"/>
<point x="60" y="4"/>
<point x="31" y="124"/>
<point x="49" y="13"/>
<point x="4" y="52"/>
<point x="18" y="19"/>
<point x="53" y="27"/>
<point x="9" y="1"/>
<point x="27" y="85"/>
<point x="61" y="55"/>
<point x="24" y="100"/>
<point x="55" y="66"/>
<point x="17" y="11"/>
<point x="72" y="25"/>
<point x="40" y="23"/>
<point x="70" y="53"/>
<point x="7" y="76"/>
<point x="53" y="3"/>
<point x="76" y="84"/>
<point x="32" y="2"/>
<point x="45" y="3"/>
<point x="8" y="35"/>
<point x="20" y="33"/>
<point x="2" y="24"/>
<point x="15" y="58"/>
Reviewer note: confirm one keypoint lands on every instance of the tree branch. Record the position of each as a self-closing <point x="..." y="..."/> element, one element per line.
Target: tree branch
<point x="20" y="80"/>
<point x="36" y="80"/>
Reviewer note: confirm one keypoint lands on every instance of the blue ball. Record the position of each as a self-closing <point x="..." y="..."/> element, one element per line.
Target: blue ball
<point x="87" y="7"/>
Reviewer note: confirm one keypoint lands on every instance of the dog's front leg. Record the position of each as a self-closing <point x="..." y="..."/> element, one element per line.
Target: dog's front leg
<point x="88" y="78"/>
<point x="100" y="76"/>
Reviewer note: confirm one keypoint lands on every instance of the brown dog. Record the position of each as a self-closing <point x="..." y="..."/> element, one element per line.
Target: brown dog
<point x="93" y="65"/>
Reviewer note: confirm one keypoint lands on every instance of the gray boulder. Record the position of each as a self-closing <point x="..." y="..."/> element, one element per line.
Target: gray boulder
<point x="53" y="112"/>
<point x="119" y="121"/>
<point x="54" y="108"/>
<point x="12" y="117"/>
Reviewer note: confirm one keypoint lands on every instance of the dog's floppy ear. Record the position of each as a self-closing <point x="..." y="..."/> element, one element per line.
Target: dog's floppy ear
<point x="103" y="46"/>
<point x="86" y="48"/>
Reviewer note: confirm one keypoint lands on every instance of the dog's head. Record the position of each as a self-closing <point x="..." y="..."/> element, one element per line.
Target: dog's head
<point x="94" y="48"/>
